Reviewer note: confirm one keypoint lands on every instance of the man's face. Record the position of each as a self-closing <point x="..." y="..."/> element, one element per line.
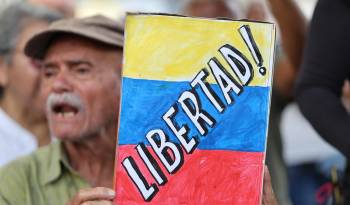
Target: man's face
<point x="81" y="82"/>
<point x="22" y="74"/>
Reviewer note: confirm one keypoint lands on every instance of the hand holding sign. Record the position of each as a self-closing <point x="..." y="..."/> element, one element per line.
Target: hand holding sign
<point x="93" y="196"/>
<point x="268" y="195"/>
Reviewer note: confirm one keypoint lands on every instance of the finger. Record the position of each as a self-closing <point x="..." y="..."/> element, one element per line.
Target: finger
<point x="267" y="181"/>
<point x="91" y="194"/>
<point x="100" y="202"/>
<point x="268" y="195"/>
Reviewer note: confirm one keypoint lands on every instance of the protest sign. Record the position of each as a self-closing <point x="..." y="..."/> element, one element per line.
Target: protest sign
<point x="194" y="110"/>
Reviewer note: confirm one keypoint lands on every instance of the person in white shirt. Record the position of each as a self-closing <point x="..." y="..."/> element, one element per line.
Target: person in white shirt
<point x="23" y="126"/>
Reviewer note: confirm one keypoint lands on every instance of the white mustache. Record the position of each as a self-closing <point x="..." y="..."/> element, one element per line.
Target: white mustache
<point x="70" y="99"/>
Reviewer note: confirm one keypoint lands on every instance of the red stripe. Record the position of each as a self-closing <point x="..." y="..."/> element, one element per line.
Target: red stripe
<point x="206" y="177"/>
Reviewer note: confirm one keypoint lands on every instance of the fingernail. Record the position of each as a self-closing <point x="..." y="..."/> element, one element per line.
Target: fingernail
<point x="111" y="193"/>
<point x="266" y="169"/>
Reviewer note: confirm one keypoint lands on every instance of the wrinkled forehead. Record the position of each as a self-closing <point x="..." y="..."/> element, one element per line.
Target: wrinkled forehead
<point x="74" y="46"/>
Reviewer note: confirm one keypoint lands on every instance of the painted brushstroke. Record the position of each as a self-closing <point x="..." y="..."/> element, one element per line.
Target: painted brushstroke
<point x="241" y="127"/>
<point x="163" y="55"/>
<point x="217" y="177"/>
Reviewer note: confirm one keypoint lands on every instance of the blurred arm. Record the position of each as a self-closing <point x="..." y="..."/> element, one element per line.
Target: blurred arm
<point x="324" y="69"/>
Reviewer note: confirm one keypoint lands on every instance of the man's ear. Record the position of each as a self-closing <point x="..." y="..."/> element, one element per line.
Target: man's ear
<point x="3" y="72"/>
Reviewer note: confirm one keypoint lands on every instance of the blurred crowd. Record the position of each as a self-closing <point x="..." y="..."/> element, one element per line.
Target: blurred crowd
<point x="307" y="147"/>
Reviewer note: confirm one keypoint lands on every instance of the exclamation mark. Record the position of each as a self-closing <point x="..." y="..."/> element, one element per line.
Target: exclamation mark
<point x="253" y="48"/>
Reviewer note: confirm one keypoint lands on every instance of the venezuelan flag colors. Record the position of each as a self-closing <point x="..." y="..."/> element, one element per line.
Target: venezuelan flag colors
<point x="194" y="111"/>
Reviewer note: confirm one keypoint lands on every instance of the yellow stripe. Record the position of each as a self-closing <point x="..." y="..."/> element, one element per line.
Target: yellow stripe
<point x="173" y="48"/>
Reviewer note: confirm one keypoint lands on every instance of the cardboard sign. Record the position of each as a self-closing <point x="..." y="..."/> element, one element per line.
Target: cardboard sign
<point x="194" y="111"/>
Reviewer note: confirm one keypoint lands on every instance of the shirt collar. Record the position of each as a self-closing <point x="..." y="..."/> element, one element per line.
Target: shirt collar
<point x="57" y="163"/>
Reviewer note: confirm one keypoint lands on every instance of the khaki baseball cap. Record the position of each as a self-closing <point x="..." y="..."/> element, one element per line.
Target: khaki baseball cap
<point x="98" y="28"/>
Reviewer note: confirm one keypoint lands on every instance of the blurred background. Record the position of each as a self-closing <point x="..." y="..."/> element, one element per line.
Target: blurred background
<point x="116" y="8"/>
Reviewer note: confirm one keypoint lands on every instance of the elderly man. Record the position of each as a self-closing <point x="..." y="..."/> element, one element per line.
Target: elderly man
<point x="23" y="125"/>
<point x="81" y="82"/>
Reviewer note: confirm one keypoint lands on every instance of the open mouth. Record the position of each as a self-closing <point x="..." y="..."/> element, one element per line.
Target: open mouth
<point x="65" y="110"/>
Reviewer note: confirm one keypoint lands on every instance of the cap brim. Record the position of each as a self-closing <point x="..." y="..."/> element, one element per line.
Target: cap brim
<point x="37" y="46"/>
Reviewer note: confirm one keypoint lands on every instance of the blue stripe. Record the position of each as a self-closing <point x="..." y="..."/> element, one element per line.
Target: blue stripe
<point x="241" y="127"/>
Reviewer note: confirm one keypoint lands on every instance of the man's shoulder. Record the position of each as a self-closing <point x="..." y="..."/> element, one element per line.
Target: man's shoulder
<point x="23" y="167"/>
<point x="25" y="175"/>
